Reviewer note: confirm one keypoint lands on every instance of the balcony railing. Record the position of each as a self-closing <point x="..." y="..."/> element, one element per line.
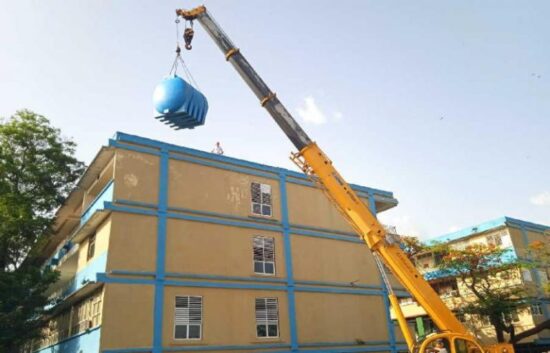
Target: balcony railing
<point x="98" y="203"/>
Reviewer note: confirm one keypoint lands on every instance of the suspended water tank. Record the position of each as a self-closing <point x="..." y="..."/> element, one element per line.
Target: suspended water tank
<point x="179" y="104"/>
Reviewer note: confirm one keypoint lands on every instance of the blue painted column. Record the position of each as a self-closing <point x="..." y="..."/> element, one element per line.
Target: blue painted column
<point x="291" y="298"/>
<point x="161" y="251"/>
<point x="535" y="273"/>
<point x="389" y="322"/>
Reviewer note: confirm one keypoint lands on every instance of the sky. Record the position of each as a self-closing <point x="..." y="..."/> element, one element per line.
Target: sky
<point x="444" y="103"/>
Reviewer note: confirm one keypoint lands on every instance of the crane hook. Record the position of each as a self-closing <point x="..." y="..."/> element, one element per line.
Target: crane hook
<point x="188" y="34"/>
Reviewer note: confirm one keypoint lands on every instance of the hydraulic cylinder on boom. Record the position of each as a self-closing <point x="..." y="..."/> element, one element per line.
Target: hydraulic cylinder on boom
<point x="316" y="165"/>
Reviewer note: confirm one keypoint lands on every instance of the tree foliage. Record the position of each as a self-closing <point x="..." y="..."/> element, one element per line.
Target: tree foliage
<point x="492" y="277"/>
<point x="411" y="245"/>
<point x="37" y="170"/>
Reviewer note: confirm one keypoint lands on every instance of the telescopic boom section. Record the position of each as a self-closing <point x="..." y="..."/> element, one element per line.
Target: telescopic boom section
<point x="318" y="166"/>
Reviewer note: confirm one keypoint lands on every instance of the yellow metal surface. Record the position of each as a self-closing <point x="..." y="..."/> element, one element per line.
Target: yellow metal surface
<point x="191" y="14"/>
<point x="402" y="321"/>
<point x="267" y="98"/>
<point x="318" y="166"/>
<point x="230" y="53"/>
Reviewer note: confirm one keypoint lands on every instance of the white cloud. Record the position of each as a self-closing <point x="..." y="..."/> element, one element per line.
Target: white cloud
<point x="542" y="199"/>
<point x="337" y="116"/>
<point x="453" y="229"/>
<point x="311" y="113"/>
<point x="404" y="224"/>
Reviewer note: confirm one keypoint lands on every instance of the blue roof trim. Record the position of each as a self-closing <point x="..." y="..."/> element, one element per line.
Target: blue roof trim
<point x="508" y="256"/>
<point x="529" y="225"/>
<point x="485" y="226"/>
<point x="124" y="137"/>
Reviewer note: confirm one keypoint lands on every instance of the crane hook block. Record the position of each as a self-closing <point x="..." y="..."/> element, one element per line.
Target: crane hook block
<point x="179" y="104"/>
<point x="188" y="37"/>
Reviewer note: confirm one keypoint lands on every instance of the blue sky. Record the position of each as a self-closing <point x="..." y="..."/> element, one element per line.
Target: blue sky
<point x="445" y="103"/>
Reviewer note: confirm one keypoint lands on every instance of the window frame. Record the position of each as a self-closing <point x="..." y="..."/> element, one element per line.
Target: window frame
<point x="187" y="325"/>
<point x="261" y="203"/>
<point x="538" y="312"/>
<point x="91" y="245"/>
<point x="263" y="256"/>
<point x="266" y="324"/>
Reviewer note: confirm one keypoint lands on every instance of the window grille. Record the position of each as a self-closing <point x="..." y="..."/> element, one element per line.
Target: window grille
<point x="261" y="199"/>
<point x="188" y="318"/>
<point x="494" y="240"/>
<point x="264" y="255"/>
<point x="86" y="314"/>
<point x="536" y="309"/>
<point x="267" y="317"/>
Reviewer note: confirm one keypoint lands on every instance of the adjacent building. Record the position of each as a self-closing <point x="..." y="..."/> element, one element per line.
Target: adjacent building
<point x="164" y="248"/>
<point x="505" y="232"/>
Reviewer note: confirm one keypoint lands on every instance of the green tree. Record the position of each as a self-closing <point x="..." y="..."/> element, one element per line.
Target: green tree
<point x="37" y="170"/>
<point x="537" y="257"/>
<point x="492" y="278"/>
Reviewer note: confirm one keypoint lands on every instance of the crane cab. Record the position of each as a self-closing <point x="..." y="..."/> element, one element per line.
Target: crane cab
<point x="453" y="343"/>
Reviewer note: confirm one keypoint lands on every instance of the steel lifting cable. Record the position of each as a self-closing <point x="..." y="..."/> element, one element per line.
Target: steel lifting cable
<point x="178" y="59"/>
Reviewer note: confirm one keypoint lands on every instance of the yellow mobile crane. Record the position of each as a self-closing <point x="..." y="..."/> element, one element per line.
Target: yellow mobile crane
<point x="319" y="168"/>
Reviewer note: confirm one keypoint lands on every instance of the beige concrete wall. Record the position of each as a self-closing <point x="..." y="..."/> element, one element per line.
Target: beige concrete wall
<point x="102" y="236"/>
<point x="330" y="260"/>
<point x="136" y="176"/>
<point x="133" y="242"/>
<point x="228" y="316"/>
<point x="127" y="316"/>
<point x="216" y="190"/>
<point x="104" y="177"/>
<point x="324" y="317"/>
<point x="195" y="247"/>
<point x="310" y="207"/>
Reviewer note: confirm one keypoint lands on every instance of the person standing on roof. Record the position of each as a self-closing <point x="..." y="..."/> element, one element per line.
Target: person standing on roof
<point x="217" y="149"/>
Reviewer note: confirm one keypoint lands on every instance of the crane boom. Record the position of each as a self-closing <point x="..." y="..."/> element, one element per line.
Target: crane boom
<point x="314" y="162"/>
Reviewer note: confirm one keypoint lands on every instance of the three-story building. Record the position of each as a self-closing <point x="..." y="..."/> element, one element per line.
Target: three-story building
<point x="167" y="248"/>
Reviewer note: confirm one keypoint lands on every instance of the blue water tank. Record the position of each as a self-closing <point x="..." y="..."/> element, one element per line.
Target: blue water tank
<point x="170" y="94"/>
<point x="179" y="104"/>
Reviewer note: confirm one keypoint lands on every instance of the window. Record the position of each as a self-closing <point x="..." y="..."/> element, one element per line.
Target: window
<point x="446" y="287"/>
<point x="406" y="301"/>
<point x="188" y="318"/>
<point x="267" y="317"/>
<point x="86" y="314"/>
<point x="512" y="317"/>
<point x="91" y="247"/>
<point x="543" y="276"/>
<point x="264" y="255"/>
<point x="494" y="240"/>
<point x="527" y="275"/>
<point x="536" y="309"/>
<point x="463" y="346"/>
<point x="261" y="199"/>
